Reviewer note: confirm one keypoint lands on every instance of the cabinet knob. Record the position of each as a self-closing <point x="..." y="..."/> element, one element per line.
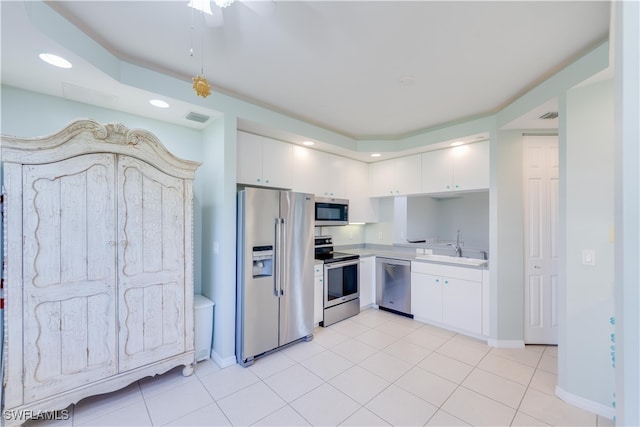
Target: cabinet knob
<point x="457" y="186"/>
<point x="437" y="280"/>
<point x="448" y="186"/>
<point x="446" y="282"/>
<point x="257" y="179"/>
<point x="266" y="180"/>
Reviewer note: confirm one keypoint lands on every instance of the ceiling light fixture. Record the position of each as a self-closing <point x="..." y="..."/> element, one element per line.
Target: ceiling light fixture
<point x="55" y="60"/>
<point x="159" y="103"/>
<point x="308" y="143"/>
<point x="223" y="3"/>
<point x="456" y="143"/>
<point x="376" y="154"/>
<point x="203" y="6"/>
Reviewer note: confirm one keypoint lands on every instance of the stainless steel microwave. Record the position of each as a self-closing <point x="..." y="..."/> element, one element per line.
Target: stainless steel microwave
<point x="331" y="211"/>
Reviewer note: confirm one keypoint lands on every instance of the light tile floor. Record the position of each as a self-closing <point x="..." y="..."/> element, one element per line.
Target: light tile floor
<point x="373" y="369"/>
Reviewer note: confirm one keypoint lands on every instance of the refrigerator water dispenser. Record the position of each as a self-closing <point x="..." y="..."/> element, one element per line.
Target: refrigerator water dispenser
<point x="262" y="261"/>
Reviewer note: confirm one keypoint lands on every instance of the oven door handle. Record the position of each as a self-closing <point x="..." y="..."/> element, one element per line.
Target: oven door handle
<point x="331" y="265"/>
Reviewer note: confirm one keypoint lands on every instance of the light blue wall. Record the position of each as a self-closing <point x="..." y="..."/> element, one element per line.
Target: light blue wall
<point x="627" y="98"/>
<point x="585" y="366"/>
<point x="506" y="222"/>
<point x="219" y="233"/>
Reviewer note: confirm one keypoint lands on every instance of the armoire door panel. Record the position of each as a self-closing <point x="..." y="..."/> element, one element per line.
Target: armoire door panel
<point x="69" y="274"/>
<point x="154" y="325"/>
<point x="151" y="263"/>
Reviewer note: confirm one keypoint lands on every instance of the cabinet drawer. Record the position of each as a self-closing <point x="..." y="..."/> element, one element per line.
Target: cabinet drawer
<point x="463" y="273"/>
<point x="318" y="270"/>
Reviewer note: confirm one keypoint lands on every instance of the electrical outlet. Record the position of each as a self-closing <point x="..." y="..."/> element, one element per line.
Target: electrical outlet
<point x="380" y="235"/>
<point x="428" y="251"/>
<point x="419" y="251"/>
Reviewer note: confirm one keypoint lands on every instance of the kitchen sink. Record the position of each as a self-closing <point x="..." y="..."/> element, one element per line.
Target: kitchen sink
<point x="453" y="259"/>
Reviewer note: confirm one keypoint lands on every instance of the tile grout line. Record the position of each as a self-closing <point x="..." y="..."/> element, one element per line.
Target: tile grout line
<point x="527" y="389"/>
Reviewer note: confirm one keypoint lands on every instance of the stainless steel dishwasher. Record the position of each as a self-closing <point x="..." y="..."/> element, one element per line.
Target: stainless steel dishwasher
<point x="393" y="285"/>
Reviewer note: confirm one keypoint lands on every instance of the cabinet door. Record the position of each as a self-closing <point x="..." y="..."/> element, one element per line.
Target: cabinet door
<point x="367" y="281"/>
<point x="437" y="171"/>
<point x="426" y="297"/>
<point x="332" y="180"/>
<point x="318" y="298"/>
<point x="408" y="175"/>
<point x="471" y="166"/>
<point x="306" y="170"/>
<point x="151" y="263"/>
<point x="249" y="160"/>
<point x="69" y="274"/>
<point x="277" y="165"/>
<point x="381" y="178"/>
<point x="462" y="302"/>
<point x="361" y="207"/>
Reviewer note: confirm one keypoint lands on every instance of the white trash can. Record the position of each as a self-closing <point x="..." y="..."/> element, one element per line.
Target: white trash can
<point x="203" y="327"/>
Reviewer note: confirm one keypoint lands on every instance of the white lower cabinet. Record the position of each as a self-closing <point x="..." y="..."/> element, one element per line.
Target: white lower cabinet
<point x="448" y="296"/>
<point x="318" y="293"/>
<point x="367" y="281"/>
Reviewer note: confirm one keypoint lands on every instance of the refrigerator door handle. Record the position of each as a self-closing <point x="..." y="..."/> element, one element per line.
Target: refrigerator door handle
<point x="283" y="244"/>
<point x="276" y="263"/>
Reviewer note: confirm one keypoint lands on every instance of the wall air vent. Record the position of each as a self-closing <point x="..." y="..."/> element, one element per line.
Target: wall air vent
<point x="200" y="118"/>
<point x="549" y="116"/>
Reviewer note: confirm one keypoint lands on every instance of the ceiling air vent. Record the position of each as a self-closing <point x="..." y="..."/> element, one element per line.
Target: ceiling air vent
<point x="200" y="118"/>
<point x="549" y="116"/>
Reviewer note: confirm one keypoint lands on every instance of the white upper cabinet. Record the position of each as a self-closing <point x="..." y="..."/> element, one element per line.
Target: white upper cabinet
<point x="395" y="177"/>
<point x="462" y="168"/>
<point x="361" y="207"/>
<point x="320" y="173"/>
<point x="264" y="161"/>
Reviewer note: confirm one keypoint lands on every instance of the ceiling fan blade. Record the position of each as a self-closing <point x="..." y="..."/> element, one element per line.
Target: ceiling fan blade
<point x="214" y="20"/>
<point x="261" y="7"/>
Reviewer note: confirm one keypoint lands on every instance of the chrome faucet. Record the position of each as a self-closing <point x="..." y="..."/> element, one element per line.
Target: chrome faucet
<point x="457" y="246"/>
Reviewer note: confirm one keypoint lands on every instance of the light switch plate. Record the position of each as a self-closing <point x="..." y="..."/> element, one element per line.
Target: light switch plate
<point x="588" y="257"/>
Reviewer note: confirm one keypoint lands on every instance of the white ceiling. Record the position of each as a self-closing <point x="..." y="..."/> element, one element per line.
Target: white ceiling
<point x="367" y="70"/>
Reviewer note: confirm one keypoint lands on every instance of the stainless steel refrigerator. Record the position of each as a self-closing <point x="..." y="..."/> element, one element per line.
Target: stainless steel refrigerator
<point x="274" y="271"/>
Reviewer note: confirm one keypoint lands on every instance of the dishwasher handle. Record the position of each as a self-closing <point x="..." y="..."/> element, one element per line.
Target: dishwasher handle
<point x="393" y="261"/>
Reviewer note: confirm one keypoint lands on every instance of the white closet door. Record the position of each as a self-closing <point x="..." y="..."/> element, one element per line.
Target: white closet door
<point x="151" y="263"/>
<point x="541" y="239"/>
<point x="69" y="274"/>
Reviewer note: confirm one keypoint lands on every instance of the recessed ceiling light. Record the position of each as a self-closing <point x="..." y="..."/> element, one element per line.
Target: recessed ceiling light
<point x="308" y="143"/>
<point x="55" y="60"/>
<point x="376" y="154"/>
<point x="456" y="143"/>
<point x="159" y="103"/>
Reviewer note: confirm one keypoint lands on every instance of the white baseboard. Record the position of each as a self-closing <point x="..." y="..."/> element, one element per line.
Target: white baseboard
<point x="505" y="343"/>
<point x="223" y="362"/>
<point x="586" y="404"/>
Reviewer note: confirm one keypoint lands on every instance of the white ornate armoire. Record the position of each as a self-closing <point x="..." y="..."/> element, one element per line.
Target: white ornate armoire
<point x="98" y="264"/>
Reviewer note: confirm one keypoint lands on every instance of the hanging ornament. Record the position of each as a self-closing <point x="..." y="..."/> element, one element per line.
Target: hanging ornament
<point x="201" y="86"/>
